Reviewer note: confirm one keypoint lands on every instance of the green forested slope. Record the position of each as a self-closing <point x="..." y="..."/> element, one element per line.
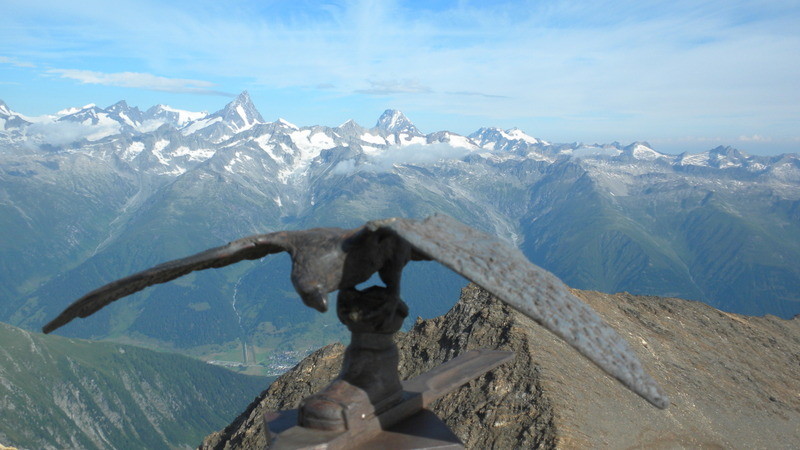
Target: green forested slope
<point x="70" y="393"/>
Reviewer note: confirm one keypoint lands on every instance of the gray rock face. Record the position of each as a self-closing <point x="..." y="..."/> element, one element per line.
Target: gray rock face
<point x="732" y="379"/>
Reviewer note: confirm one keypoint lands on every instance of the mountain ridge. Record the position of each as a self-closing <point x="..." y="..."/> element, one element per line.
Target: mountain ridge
<point x="80" y="207"/>
<point x="59" y="392"/>
<point x="710" y="363"/>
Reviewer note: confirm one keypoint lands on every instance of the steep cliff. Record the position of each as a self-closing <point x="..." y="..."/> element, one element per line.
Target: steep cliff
<point x="732" y="379"/>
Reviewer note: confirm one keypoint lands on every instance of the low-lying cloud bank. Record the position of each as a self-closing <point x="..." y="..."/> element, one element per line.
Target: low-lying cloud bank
<point x="62" y="133"/>
<point x="410" y="154"/>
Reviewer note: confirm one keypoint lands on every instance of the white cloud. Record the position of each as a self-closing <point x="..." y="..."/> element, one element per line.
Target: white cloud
<point x="387" y="87"/>
<point x="150" y="125"/>
<point x="755" y="138"/>
<point x="15" y="62"/>
<point x="140" y="81"/>
<point x="344" y="168"/>
<point x="398" y="155"/>
<point x="65" y="132"/>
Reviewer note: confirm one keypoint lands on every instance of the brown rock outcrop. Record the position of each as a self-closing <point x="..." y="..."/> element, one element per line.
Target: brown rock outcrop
<point x="733" y="380"/>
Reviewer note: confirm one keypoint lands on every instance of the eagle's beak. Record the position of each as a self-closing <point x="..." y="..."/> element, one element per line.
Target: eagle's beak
<point x="316" y="300"/>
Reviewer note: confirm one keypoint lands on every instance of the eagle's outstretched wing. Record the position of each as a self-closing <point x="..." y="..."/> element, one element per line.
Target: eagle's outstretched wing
<point x="327" y="259"/>
<point x="507" y="274"/>
<point x="252" y="247"/>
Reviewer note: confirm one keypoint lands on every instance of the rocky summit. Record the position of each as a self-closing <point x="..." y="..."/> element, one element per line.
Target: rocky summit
<point x="732" y="379"/>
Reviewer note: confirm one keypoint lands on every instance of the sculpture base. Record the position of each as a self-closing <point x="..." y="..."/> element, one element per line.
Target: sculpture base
<point x="422" y="430"/>
<point x="406" y="425"/>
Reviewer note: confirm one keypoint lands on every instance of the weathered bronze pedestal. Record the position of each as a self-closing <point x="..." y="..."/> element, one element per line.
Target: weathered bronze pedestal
<point x="368" y="406"/>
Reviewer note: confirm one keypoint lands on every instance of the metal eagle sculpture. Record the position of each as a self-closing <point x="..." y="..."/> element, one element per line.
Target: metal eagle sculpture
<point x="329" y="259"/>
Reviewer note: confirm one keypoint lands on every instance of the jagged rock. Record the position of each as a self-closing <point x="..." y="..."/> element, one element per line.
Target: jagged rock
<point x="732" y="379"/>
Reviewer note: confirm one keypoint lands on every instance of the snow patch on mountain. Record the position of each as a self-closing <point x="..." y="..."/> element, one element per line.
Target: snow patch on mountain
<point x="309" y="146"/>
<point x="132" y="151"/>
<point x="643" y="152"/>
<point x="451" y="138"/>
<point x="238" y="158"/>
<point x="264" y="143"/>
<point x="158" y="149"/>
<point x="178" y="118"/>
<point x="311" y="143"/>
<point x="461" y="141"/>
<point x="128" y="120"/>
<point x="726" y="164"/>
<point x="407" y="139"/>
<point x="184" y="116"/>
<point x="373" y="139"/>
<point x="4" y="111"/>
<point x="517" y="134"/>
<point x="199" y="155"/>
<point x="198" y="125"/>
<point x="248" y="121"/>
<point x="287" y="124"/>
<point x="698" y="159"/>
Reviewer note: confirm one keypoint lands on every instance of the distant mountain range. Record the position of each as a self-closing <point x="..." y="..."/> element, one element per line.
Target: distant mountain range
<point x="89" y="195"/>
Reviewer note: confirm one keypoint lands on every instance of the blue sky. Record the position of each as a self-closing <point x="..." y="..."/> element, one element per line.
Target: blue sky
<point x="683" y="75"/>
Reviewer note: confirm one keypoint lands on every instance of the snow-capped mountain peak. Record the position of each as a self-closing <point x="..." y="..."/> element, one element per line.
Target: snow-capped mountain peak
<point x="517" y="134"/>
<point x="351" y="128"/>
<point x="125" y="114"/>
<point x="88" y="115"/>
<point x="121" y="105"/>
<point x="726" y="157"/>
<point x="394" y="121"/>
<point x="241" y="113"/>
<point x="237" y="116"/>
<point x="453" y="139"/>
<point x="293" y="148"/>
<point x="73" y="110"/>
<point x="493" y="138"/>
<point x="10" y="119"/>
<point x="173" y="116"/>
<point x="87" y="107"/>
<point x="4" y="111"/>
<point x="642" y="151"/>
<point x="285" y="123"/>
